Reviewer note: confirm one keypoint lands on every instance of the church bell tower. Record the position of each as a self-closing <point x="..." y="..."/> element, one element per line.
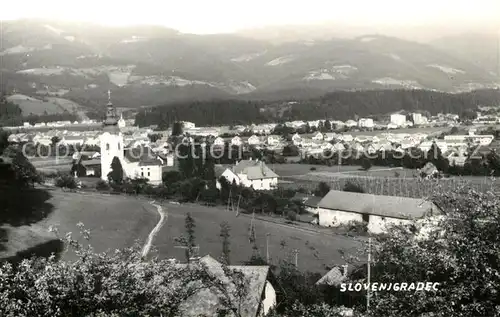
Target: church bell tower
<point x="111" y="140"/>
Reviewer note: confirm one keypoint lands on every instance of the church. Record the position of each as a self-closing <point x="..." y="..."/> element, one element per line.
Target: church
<point x="139" y="162"/>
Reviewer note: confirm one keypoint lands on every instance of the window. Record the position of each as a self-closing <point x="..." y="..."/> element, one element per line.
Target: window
<point x="118" y="146"/>
<point x="142" y="174"/>
<point x="149" y="174"/>
<point x="107" y="146"/>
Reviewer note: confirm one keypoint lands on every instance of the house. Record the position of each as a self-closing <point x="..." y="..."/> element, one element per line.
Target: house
<point x="251" y="173"/>
<point x="219" y="141"/>
<point x="366" y="123"/>
<point x="310" y="202"/>
<point x="236" y="141"/>
<point x="91" y="167"/>
<point x="336" y="276"/>
<point x="398" y="119"/>
<point x="339" y="208"/>
<point x="253" y="140"/>
<point x="273" y="140"/>
<point x="318" y="136"/>
<point x="257" y="302"/>
<point x="296" y="139"/>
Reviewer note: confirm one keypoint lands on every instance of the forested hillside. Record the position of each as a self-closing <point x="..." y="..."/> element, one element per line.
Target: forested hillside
<point x="341" y="105"/>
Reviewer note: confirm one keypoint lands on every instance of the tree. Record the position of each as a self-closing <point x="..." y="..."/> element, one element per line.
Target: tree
<point x="353" y="188"/>
<point x="101" y="284"/>
<point x="55" y="139"/>
<point x="366" y="164"/>
<point x="116" y="174"/>
<point x="177" y="129"/>
<point x="189" y="224"/>
<point x="154" y="137"/>
<point x="322" y="189"/>
<point x="460" y="251"/>
<point x="171" y="177"/>
<point x="290" y="150"/>
<point x="328" y="125"/>
<point x="224" y="234"/>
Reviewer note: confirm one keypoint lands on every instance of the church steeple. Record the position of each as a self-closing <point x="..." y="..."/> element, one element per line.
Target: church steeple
<point x="111" y="121"/>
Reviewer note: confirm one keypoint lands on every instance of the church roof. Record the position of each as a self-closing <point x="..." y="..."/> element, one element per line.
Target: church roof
<point x="142" y="155"/>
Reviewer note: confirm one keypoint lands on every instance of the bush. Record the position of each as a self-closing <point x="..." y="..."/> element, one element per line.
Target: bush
<point x="102" y="185"/>
<point x="366" y="164"/>
<point x="312" y="168"/>
<point x="65" y="181"/>
<point x="291" y="215"/>
<point x="357" y="226"/>
<point x="353" y="188"/>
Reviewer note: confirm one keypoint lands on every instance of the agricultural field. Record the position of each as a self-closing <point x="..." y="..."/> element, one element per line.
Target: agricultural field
<point x="378" y="180"/>
<point x="36" y="106"/>
<point x="114" y="221"/>
<point x="316" y="247"/>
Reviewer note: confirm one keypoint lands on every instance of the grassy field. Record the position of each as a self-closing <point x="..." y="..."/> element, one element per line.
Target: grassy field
<point x="38" y="106"/>
<point x="316" y="247"/>
<point x="114" y="221"/>
<point x="119" y="221"/>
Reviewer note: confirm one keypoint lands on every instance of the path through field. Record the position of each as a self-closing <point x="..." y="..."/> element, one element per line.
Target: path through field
<point x="156" y="229"/>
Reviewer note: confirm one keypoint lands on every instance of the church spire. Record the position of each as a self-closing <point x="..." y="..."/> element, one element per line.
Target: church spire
<point x="111" y="121"/>
<point x="109" y="97"/>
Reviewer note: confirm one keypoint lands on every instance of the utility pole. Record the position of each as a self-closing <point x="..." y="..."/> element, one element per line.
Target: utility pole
<point x="196" y="249"/>
<point x="296" y="252"/>
<point x="229" y="200"/>
<point x="267" y="247"/>
<point x="369" y="273"/>
<point x="238" y="206"/>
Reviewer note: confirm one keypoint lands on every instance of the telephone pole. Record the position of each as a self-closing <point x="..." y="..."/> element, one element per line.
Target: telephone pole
<point x="296" y="252"/>
<point x="267" y="247"/>
<point x="368" y="294"/>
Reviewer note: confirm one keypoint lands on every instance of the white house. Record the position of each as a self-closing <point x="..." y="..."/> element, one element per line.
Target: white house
<point x="318" y="136"/>
<point x="219" y="141"/>
<point x="366" y="123"/>
<point x="339" y="208"/>
<point x="273" y="140"/>
<point x="252" y="173"/>
<point x="398" y="119"/>
<point x="351" y="123"/>
<point x="253" y="140"/>
<point x="188" y="125"/>
<point x="296" y="139"/>
<point x="236" y="141"/>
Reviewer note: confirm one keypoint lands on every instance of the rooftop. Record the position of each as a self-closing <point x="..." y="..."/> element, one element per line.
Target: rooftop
<point x="385" y="206"/>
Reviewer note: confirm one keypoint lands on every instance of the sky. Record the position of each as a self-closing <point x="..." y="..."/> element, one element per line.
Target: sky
<point x="222" y="16"/>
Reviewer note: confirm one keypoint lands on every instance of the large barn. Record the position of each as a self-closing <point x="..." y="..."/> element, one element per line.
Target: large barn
<point x="339" y="208"/>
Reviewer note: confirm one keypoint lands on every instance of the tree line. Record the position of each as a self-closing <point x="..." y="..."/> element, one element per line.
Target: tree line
<point x="341" y="105"/>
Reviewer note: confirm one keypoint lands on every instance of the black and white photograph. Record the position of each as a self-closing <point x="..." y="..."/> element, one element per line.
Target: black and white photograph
<point x="273" y="158"/>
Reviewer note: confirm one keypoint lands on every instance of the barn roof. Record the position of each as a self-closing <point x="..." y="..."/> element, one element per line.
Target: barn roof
<point x="385" y="206"/>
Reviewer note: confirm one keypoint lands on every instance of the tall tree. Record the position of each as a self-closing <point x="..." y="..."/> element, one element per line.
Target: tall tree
<point x="177" y="128"/>
<point x="224" y="234"/>
<point x="116" y="174"/>
<point x="189" y="225"/>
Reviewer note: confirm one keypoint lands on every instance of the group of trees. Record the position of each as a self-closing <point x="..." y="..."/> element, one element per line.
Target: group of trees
<point x="341" y="105"/>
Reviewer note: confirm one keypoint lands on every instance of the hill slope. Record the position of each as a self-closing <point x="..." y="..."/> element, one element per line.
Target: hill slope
<point x="155" y="65"/>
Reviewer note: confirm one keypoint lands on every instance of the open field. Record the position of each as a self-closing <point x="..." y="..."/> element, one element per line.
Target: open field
<point x="37" y="106"/>
<point x="395" y="181"/>
<point x="317" y="247"/>
<point x="117" y="221"/>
